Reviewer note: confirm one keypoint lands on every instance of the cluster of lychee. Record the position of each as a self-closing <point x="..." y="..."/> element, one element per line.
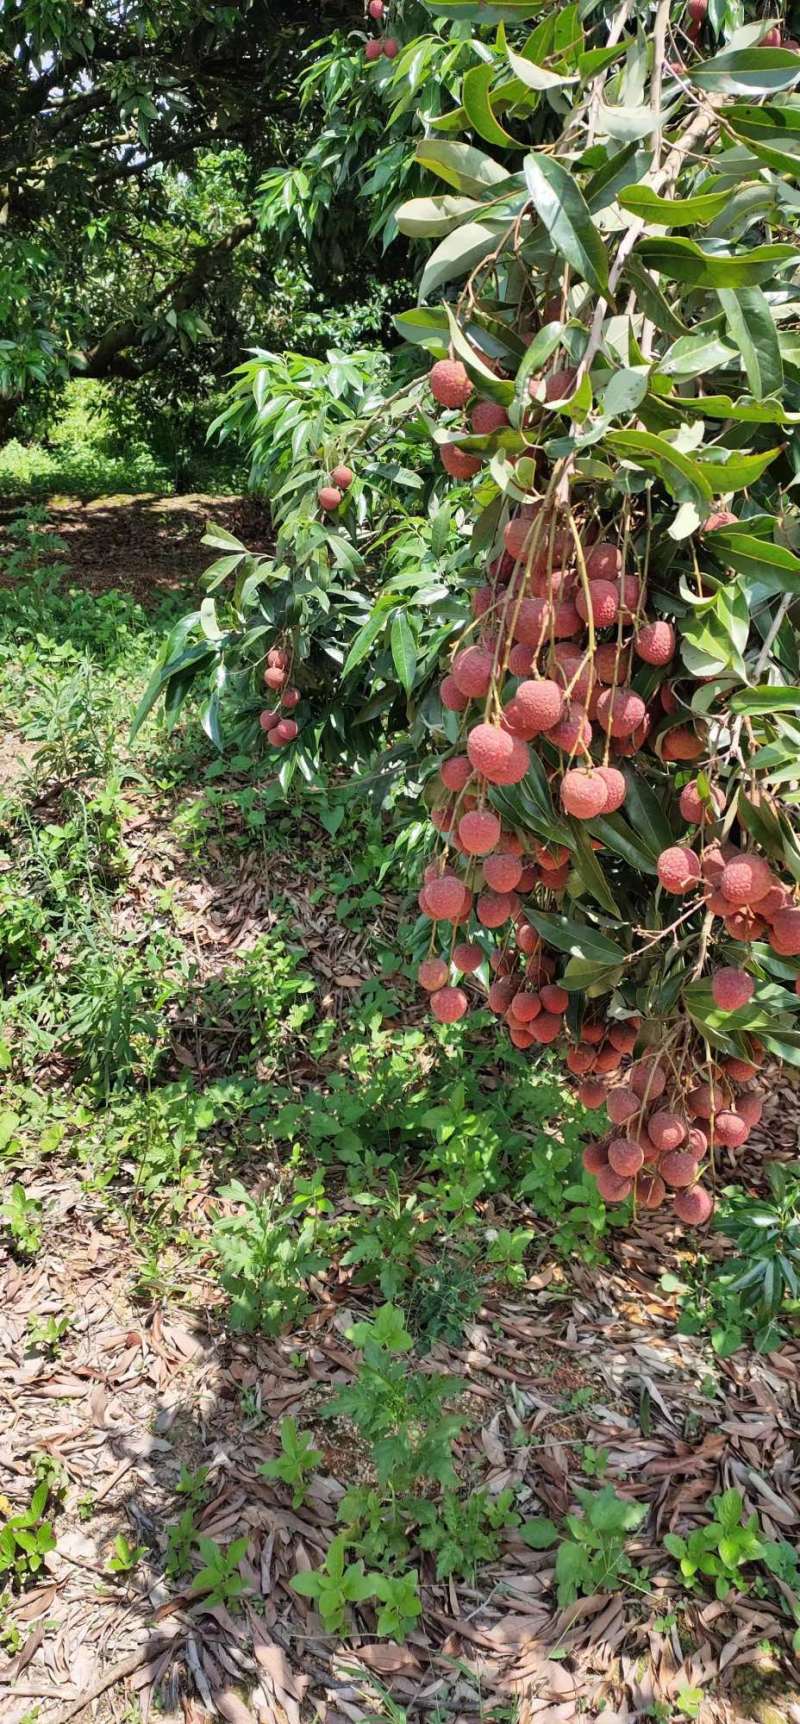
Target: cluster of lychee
<point x="330" y="496"/>
<point x="379" y="45"/>
<point x="738" y="886"/>
<point x="773" y="37"/>
<point x="279" y="729"/>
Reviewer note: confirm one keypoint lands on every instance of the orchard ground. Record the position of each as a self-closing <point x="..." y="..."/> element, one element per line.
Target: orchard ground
<point x="203" y="985"/>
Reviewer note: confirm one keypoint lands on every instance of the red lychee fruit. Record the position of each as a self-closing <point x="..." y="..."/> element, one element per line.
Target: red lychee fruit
<point x="432" y="974"/>
<point x="274" y="676"/>
<point x="502" y="872"/>
<point x="604" y="562"/>
<point x="285" y="730"/>
<point x="591" y="1094"/>
<point x="697" y="10"/>
<point x="391" y="48"/>
<point x="583" y="793"/>
<point x="449" y="1004"/>
<point x="376" y="10"/>
<point x="572" y="731"/>
<point x="604" y="600"/>
<point x="517" y="535"/>
<point x="696" y="1143"/>
<point x="613" y="1188"/>
<point x="456" y="772"/>
<point x="620" y="711"/>
<point x="681" y="744"/>
<point x="730" y="1129"/>
<point x="329" y="497"/>
<point x="268" y="720"/>
<point x="493" y="909"/>
<point x="595" y="1157"/>
<point x="623" y="1036"/>
<point x="458" y="462"/>
<point x="731" y="989"/>
<point x="520" y="1035"/>
<point x="616" y="787"/>
<point x="531" y="623"/>
<point x="520" y="660"/>
<point x="290" y="698"/>
<point x="373" y="49"/>
<point x="647" y="1079"/>
<point x="342" y="477"/>
<point x="526" y="1006"/>
<point x="694" y="810"/>
<point x="678" y="868"/>
<point x="593" y="1034"/>
<point x="500" y="995"/>
<point x="704" y="1100"/>
<point x="488" y="416"/>
<point x="678" y="1168"/>
<point x="479" y="832"/>
<point x="560" y="384"/>
<point x="785" y="937"/>
<point x="579" y="1060"/>
<point x="444" y="898"/>
<point x="450" y="383"/>
<point x="467" y="958"/>
<point x="546" y="1028"/>
<point x="750" y="1108"/>
<point x="745" y="879"/>
<point x="609" y="1059"/>
<point x="554" y="999"/>
<point x="625" y="1156"/>
<point x="536" y="706"/>
<point x="665" y="1130"/>
<point x="772" y="38"/>
<point x="740" y="1070"/>
<point x="472" y="671"/>
<point x="611" y="662"/>
<point x="694" y="1207"/>
<point x="655" y="642"/>
<point x="450" y="695"/>
<point x="622" y="1104"/>
<point x="650" y="1191"/>
<point x="566" y="622"/>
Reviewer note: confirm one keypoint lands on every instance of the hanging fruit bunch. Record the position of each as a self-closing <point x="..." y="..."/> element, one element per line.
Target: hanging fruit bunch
<point x="614" y="868"/>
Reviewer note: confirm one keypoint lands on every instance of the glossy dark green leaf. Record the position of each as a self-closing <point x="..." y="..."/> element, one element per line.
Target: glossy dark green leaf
<point x="751" y="326"/>
<point x="465" y="168"/>
<point x="748" y="71"/>
<point x="684" y="260"/>
<point x="759" y="559"/>
<point x="764" y="698"/>
<point x="476" y="96"/>
<point x="564" y="213"/>
<point x="673" y="212"/>
<point x="577" y="938"/>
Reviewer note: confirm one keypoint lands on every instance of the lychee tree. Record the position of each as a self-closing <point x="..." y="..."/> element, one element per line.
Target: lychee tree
<point x="610" y="313"/>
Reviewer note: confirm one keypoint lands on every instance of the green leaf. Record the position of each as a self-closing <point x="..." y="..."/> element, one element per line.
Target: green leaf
<point x="457" y="255"/>
<point x="760" y="560"/>
<point x="475" y="95"/>
<point x="429" y="218"/>
<point x="540" y="1533"/>
<point x="770" y="132"/>
<point x="484" y="11"/>
<point x="751" y="327"/>
<point x="577" y="938"/>
<point x="673" y="212"/>
<point x="404" y="650"/>
<point x="747" y="71"/>
<point x="683" y="477"/>
<point x="534" y="77"/>
<point x="564" y="214"/>
<point x="374" y="626"/>
<point x="465" y="168"/>
<point x="764" y="698"/>
<point x="684" y="260"/>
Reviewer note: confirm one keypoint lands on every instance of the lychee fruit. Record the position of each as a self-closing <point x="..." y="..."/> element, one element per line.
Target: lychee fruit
<point x="373" y="49"/>
<point x="444" y="898"/>
<point x="432" y="974"/>
<point x="591" y="1094"/>
<point x="467" y="958"/>
<point x="625" y="1156"/>
<point x="572" y="731"/>
<point x="560" y="384"/>
<point x="274" y="676"/>
<point x="731" y="989"/>
<point x="502" y="872"/>
<point x="329" y="497"/>
<point x="455" y="772"/>
<point x="749" y="1108"/>
<point x="449" y="1004"/>
<point x="450" y="695"/>
<point x="622" y="1104"/>
<point x="493" y="909"/>
<point x="290" y="698"/>
<point x="647" y="1079"/>
<point x="620" y="711"/>
<point x="665" y="1130"/>
<point x="536" y="706"/>
<point x="678" y="868"/>
<point x="554" y="999"/>
<point x="623" y="1037"/>
<point x="520" y="660"/>
<point x="745" y="879"/>
<point x="604" y="562"/>
<point x="458" y="462"/>
<point x="608" y="1060"/>
<point x="730" y="1129"/>
<point x="740" y="1070"/>
<point x="526" y="1006"/>
<point x="655" y="642"/>
<point x="681" y="744"/>
<point x="613" y="1188"/>
<point x="391" y="48"/>
<point x="785" y="938"/>
<point x="611" y="662"/>
<point x="595" y="1158"/>
<point x="268" y="720"/>
<point x="531" y="623"/>
<point x="604" y="600"/>
<point x="583" y="793"/>
<point x="517" y="535"/>
<point x="694" y="809"/>
<point x="678" y="1168"/>
<point x="472" y="671"/>
<point x="696" y="1143"/>
<point x="650" y="1190"/>
<point x="546" y="1028"/>
<point x="479" y="831"/>
<point x="450" y="383"/>
<point x="342" y="477"/>
<point x="616" y="787"/>
<point x="694" y="1207"/>
<point x="704" y="1100"/>
<point x="579" y="1060"/>
<point x="285" y="731"/>
<point x="376" y="10"/>
<point x="488" y="416"/>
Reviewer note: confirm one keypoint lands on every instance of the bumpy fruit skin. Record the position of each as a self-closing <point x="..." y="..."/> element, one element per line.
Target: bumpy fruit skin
<point x="535" y="707"/>
<point x="694" y="810"/>
<point x="622" y="1104"/>
<point x="391" y="48"/>
<point x="450" y="383"/>
<point x="456" y="772"/>
<point x="498" y="756"/>
<point x="493" y="909"/>
<point x="444" y="898"/>
<point x="579" y="1061"/>
<point x="285" y="730"/>
<point x="449" y="1004"/>
<point x="274" y="676"/>
<point x="479" y="832"/>
<point x="531" y="623"/>
<point x="678" y="1168"/>
<point x="620" y="711"/>
<point x="467" y="958"/>
<point x="697" y="10"/>
<point x="458" y="462"/>
<point x="745" y="879"/>
<point x="604" y="562"/>
<point x="616" y="788"/>
<point x="650" y="1190"/>
<point x="704" y="1101"/>
<point x="520" y="660"/>
<point x="554" y="998"/>
<point x="625" y="1156"/>
<point x="376" y="10"/>
<point x="591" y="1094"/>
<point x="665" y="1130"/>
<point x="647" y="1080"/>
<point x="342" y="477"/>
<point x="731" y="989"/>
<point x="329" y="497"/>
<point x="517" y="536"/>
<point x="655" y="642"/>
<point x="560" y="384"/>
<point x="268" y="720"/>
<point x="546" y="1028"/>
<point x="502" y="872"/>
<point x="373" y="50"/>
<point x="749" y="1108"/>
<point x="432" y="974"/>
<point x="785" y="937"/>
<point x="730" y="1129"/>
<point x="450" y="695"/>
<point x="290" y="698"/>
<point x="682" y="744"/>
<point x="678" y="868"/>
<point x="611" y="1186"/>
<point x="472" y="671"/>
<point x="604" y="600"/>
<point x="595" y="1158"/>
<point x="583" y="793"/>
<point x="694" y="1207"/>
<point x="488" y="416"/>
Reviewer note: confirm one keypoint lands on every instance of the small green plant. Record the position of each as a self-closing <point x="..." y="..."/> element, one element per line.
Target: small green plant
<point x="506" y="1253"/>
<point x="297" y="1459"/>
<point x="219" y="1581"/>
<point x="126" y="1556"/>
<point x="719" y="1550"/>
<point x="401" y="1413"/>
<point x="181" y="1540"/>
<point x="336" y="1585"/>
<point x="45" y="1334"/>
<point x="463" y="1533"/>
<point x="266" y="1258"/>
<point x="193" y="1485"/>
<point x="592" y="1558"/>
<point x="399" y="1603"/>
<point x="22" y="1216"/>
<point x="25" y="1538"/>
